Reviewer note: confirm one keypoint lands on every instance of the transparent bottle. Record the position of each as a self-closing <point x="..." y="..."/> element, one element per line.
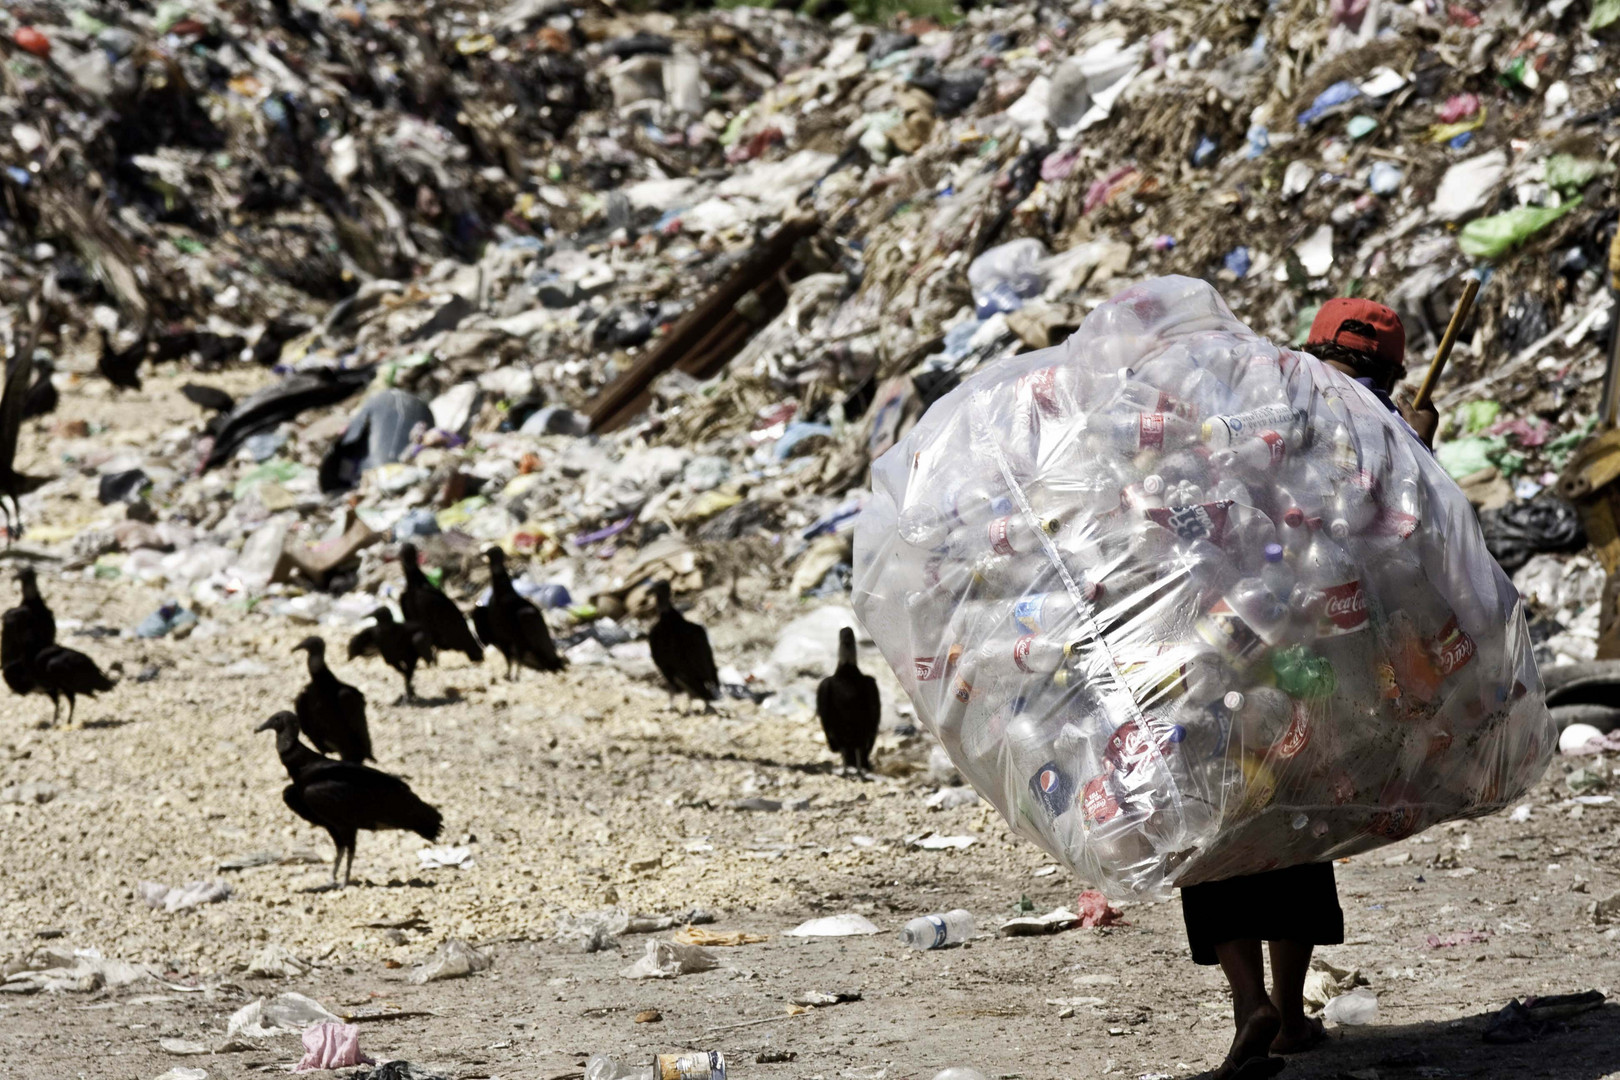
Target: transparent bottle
<point x="937" y="931"/>
<point x="710" y="1065"/>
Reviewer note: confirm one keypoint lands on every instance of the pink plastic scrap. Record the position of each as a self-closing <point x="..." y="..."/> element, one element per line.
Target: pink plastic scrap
<point x="1095" y="910"/>
<point x="1459" y="107"/>
<point x="331" y="1045"/>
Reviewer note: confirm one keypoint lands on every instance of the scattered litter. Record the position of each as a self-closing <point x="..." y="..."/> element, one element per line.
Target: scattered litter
<point x="846" y="925"/>
<point x="436" y="858"/>
<point x="692" y="935"/>
<point x="277" y="962"/>
<point x="183" y="1047"/>
<point x="454" y="959"/>
<point x="284" y="1014"/>
<point x="331" y="1045"/>
<point x="173" y="898"/>
<point x="936" y="842"/>
<point x="1054" y="921"/>
<point x="668" y="959"/>
<point x="1356" y="1008"/>
<point x="822" y="998"/>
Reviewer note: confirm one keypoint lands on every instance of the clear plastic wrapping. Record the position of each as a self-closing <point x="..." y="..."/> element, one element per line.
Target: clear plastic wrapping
<point x="1184" y="605"/>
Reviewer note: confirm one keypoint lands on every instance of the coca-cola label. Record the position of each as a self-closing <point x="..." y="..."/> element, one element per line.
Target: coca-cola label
<point x="1052" y="788"/>
<point x="1198" y="522"/>
<point x="1020" y="652"/>
<point x="1452" y="648"/>
<point x="1150" y="431"/>
<point x="1097" y="803"/>
<point x="1274" y="443"/>
<point x="1344" y="609"/>
<point x="929" y="668"/>
<point x="1392" y="522"/>
<point x="1227" y="631"/>
<point x="1296" y="738"/>
<point x="1000" y="530"/>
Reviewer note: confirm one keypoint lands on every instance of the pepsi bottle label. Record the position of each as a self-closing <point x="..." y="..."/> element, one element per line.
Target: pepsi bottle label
<point x="1053" y="788"/>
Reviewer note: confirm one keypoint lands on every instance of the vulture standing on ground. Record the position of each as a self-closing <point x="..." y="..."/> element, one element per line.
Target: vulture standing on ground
<point x="434" y="611"/>
<point x="343" y="797"/>
<point x="331" y="712"/>
<point x="401" y="644"/>
<point x="680" y="649"/>
<point x="513" y="624"/>
<point x="847" y="703"/>
<point x="13" y="484"/>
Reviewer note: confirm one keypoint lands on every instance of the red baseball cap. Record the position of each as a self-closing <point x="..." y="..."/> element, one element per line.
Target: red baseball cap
<point x="1380" y="332"/>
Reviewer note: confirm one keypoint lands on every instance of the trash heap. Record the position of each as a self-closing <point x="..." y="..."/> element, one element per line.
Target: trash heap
<point x="638" y="293"/>
<point x="1185" y="606"/>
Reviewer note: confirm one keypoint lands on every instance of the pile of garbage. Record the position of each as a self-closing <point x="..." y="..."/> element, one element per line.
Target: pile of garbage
<point x="638" y="294"/>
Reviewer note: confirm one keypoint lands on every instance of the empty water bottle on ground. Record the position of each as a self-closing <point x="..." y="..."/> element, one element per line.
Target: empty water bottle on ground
<point x="937" y="931"/>
<point x="697" y="1066"/>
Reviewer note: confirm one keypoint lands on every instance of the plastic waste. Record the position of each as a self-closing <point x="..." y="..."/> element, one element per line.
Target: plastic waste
<point x="1199" y="723"/>
<point x="173" y="898"/>
<point x="1359" y="1006"/>
<point x="331" y="1046"/>
<point x="938" y="931"/>
<point x="1488" y="237"/>
<point x="284" y="1014"/>
<point x="380" y="432"/>
<point x="960" y="1072"/>
<point x="667" y="959"/>
<point x="1520" y="530"/>
<point x="453" y="960"/>
<point x="710" y="1065"/>
<point x="846" y="925"/>
<point x="1007" y="275"/>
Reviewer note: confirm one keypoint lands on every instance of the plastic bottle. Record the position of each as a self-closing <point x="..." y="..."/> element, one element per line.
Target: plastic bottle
<point x="1261" y="714"/>
<point x="937" y="931"/>
<point x="1032" y="654"/>
<point x="1253" y="454"/>
<point x="1329" y="588"/>
<point x="695" y="1066"/>
<point x="1132" y="432"/>
<point x="1223" y="431"/>
<point x="1276" y="575"/>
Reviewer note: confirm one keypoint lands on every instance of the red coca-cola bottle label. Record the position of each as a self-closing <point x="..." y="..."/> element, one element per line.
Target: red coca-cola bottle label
<point x="1392" y="522"/>
<point x="1344" y="609"/>
<point x="1021" y="649"/>
<point x="1097" y="803"/>
<point x="1296" y="738"/>
<point x="1042" y="387"/>
<point x="929" y="668"/>
<point x="1150" y="431"/>
<point x="1452" y="648"/>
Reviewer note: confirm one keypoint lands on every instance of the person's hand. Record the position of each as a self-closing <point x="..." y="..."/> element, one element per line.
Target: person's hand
<point x="1424" y="421"/>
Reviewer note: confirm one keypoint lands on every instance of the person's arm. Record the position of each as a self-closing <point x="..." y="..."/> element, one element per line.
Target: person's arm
<point x="1424" y="422"/>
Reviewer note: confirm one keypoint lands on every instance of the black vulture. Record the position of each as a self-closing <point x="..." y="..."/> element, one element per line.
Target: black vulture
<point x="14" y="485"/>
<point x="42" y="623"/>
<point x="42" y="398"/>
<point x="513" y="624"/>
<point x="209" y="398"/>
<point x="63" y="672"/>
<point x="401" y="645"/>
<point x="847" y="703"/>
<point x="122" y="369"/>
<point x="680" y="649"/>
<point x="428" y="607"/>
<point x="343" y="797"/>
<point x="331" y="712"/>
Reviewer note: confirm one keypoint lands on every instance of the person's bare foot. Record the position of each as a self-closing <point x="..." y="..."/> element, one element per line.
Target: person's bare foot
<point x="1294" y="1036"/>
<point x="1250" y="1057"/>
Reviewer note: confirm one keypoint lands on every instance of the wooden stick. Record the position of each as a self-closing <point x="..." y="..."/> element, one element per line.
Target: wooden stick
<point x="1443" y="353"/>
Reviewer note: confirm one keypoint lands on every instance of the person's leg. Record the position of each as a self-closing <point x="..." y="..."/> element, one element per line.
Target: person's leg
<point x="1253" y="1013"/>
<point x="1290" y="960"/>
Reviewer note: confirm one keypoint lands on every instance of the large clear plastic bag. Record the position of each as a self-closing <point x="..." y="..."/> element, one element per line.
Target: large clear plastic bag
<point x="1184" y="605"/>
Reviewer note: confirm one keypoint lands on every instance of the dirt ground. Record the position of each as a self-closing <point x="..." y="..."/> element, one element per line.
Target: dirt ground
<point x="584" y="791"/>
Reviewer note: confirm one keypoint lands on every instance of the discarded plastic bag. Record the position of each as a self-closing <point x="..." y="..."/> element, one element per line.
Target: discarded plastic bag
<point x="284" y="1014"/>
<point x="846" y="925"/>
<point x="179" y="897"/>
<point x="1358" y="1007"/>
<point x="592" y="931"/>
<point x="1007" y="275"/>
<point x="1184" y="605"/>
<point x="667" y="959"/>
<point x="1519" y="530"/>
<point x="453" y="960"/>
<point x="1488" y="237"/>
<point x="331" y="1045"/>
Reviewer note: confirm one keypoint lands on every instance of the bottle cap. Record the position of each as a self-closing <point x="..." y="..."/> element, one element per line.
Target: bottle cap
<point x="1339" y="529"/>
<point x="1153" y="483"/>
<point x="1273" y="552"/>
<point x="1293" y="517"/>
<point x="1233" y="700"/>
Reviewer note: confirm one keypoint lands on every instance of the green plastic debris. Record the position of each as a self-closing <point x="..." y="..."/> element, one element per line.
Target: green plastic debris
<point x="583" y="612"/>
<point x="1302" y="325"/>
<point x="1302" y="673"/>
<point x="1488" y="237"/>
<point x="276" y="470"/>
<point x="1360" y="126"/>
<point x="435" y="576"/>
<point x="1513" y="75"/>
<point x="1463" y="457"/>
<point x="1559" y="449"/>
<point x="1604" y="12"/>
<point x="1476" y="416"/>
<point x="1568" y="174"/>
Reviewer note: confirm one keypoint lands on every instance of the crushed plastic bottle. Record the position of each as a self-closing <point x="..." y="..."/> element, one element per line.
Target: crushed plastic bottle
<point x="710" y="1065"/>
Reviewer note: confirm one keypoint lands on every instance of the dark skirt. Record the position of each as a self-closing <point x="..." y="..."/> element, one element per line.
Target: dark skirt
<point x="1297" y="904"/>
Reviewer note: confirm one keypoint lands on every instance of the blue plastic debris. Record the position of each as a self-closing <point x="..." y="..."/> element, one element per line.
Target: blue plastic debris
<point x="1205" y="153"/>
<point x="1338" y="94"/>
<point x="1259" y="140"/>
<point x="1238" y="261"/>
<point x="1384" y="178"/>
